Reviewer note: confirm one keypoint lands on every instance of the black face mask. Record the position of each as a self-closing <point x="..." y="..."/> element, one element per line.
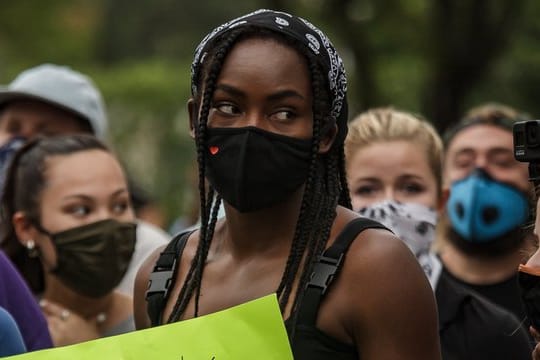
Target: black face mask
<point x="253" y="169"/>
<point x="92" y="259"/>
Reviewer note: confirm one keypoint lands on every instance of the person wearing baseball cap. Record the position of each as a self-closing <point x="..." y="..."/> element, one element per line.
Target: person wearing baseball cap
<point x="51" y="99"/>
<point x="48" y="100"/>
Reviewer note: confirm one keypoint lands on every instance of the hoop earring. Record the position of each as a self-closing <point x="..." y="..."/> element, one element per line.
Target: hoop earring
<point x="31" y="248"/>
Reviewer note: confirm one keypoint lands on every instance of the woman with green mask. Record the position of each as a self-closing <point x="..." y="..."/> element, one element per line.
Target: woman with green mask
<point x="69" y="229"/>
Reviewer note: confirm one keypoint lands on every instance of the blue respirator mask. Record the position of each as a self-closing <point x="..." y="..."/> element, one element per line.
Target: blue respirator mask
<point x="482" y="209"/>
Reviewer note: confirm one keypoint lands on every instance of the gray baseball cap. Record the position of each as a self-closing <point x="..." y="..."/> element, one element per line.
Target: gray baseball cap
<point x="63" y="87"/>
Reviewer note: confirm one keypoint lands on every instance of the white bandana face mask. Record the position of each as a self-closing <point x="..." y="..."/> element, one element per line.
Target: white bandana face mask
<point x="415" y="225"/>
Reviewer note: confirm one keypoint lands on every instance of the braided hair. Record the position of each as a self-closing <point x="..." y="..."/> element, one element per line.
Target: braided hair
<point x="325" y="187"/>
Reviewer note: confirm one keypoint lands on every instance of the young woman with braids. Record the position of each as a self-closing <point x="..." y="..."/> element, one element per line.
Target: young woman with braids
<point x="269" y="117"/>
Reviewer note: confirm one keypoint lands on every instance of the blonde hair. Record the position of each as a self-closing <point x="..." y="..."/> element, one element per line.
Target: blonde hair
<point x="387" y="124"/>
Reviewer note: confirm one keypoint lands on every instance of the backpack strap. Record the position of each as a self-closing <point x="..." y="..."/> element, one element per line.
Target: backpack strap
<point x="163" y="277"/>
<point x="327" y="268"/>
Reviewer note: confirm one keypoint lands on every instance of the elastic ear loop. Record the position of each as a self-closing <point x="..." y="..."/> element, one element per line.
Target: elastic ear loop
<point x="40" y="228"/>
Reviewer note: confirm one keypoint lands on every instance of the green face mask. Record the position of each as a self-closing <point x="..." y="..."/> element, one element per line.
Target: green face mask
<point x="92" y="259"/>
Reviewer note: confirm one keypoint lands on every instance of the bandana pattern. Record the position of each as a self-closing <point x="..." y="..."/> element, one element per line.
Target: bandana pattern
<point x="415" y="225"/>
<point x="301" y="30"/>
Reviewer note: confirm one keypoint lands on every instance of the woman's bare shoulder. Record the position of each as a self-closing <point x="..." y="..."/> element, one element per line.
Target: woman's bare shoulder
<point x="385" y="291"/>
<point x="377" y="256"/>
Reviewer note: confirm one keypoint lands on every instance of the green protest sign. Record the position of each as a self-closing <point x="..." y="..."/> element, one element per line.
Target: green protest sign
<point x="254" y="330"/>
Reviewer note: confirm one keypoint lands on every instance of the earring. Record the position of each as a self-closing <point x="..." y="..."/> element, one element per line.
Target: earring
<point x="32" y="249"/>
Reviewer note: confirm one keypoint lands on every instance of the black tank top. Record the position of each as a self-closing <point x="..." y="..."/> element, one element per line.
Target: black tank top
<point x="308" y="342"/>
<point x="311" y="343"/>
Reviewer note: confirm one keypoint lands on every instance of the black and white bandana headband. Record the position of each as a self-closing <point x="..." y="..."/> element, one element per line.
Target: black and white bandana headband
<point x="301" y="30"/>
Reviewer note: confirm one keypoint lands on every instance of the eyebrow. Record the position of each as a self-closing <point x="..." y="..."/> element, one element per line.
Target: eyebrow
<point x="285" y="94"/>
<point x="366" y="179"/>
<point x="498" y="149"/>
<point x="466" y="150"/>
<point x="407" y="176"/>
<point x="272" y="97"/>
<point x="89" y="198"/>
<point x="230" y="90"/>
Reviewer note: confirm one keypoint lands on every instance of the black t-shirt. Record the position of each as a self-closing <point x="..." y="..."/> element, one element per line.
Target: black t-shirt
<point x="472" y="327"/>
<point x="505" y="293"/>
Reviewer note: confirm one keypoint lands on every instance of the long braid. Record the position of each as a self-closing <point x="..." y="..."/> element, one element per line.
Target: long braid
<point x="323" y="214"/>
<point x="204" y="253"/>
<point x="326" y="218"/>
<point x="323" y="201"/>
<point x="345" y="196"/>
<point x="200" y="255"/>
<point x="194" y="276"/>
<point x="299" y="242"/>
<point x="187" y="287"/>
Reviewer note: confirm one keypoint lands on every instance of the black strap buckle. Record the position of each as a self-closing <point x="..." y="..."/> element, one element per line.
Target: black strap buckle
<point x="160" y="281"/>
<point x="324" y="271"/>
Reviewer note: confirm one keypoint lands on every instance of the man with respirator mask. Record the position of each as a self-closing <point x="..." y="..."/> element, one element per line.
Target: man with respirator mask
<point x="482" y="238"/>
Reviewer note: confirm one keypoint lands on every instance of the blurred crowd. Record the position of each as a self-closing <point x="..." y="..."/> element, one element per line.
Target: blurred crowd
<point x="82" y="241"/>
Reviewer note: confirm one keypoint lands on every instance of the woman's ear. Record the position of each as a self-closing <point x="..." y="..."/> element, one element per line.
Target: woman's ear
<point x="24" y="229"/>
<point x="193" y="111"/>
<point x="328" y="139"/>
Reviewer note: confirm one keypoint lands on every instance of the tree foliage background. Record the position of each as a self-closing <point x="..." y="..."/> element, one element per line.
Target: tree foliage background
<point x="433" y="57"/>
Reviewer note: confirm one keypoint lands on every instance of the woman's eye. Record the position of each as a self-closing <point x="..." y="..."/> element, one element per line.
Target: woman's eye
<point x="364" y="191"/>
<point x="79" y="210"/>
<point x="413" y="188"/>
<point x="283" y="115"/>
<point x="228" y="109"/>
<point x="120" y="208"/>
